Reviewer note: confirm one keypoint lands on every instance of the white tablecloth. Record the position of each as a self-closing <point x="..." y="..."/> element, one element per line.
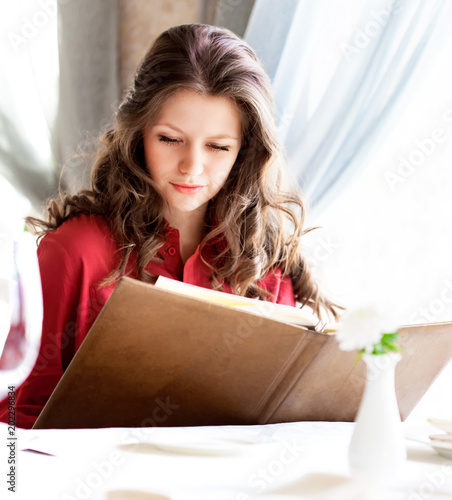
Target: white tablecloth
<point x="284" y="461"/>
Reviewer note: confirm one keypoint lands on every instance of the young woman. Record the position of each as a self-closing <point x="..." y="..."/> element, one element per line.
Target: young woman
<point x="188" y="184"/>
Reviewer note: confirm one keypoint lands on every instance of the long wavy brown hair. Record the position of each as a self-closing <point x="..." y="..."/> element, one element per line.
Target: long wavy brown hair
<point x="260" y="220"/>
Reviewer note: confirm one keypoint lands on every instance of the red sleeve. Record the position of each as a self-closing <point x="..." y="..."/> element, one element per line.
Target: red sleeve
<point x="60" y="298"/>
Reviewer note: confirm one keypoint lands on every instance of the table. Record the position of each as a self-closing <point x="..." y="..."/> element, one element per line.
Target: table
<point x="274" y="462"/>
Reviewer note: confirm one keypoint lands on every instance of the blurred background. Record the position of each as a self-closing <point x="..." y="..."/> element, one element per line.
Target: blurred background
<point x="363" y="104"/>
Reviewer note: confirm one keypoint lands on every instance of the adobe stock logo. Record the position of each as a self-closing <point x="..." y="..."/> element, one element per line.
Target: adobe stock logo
<point x="101" y="472"/>
<point x="262" y="478"/>
<point x="425" y="148"/>
<point x="373" y="28"/>
<point x="32" y="24"/>
<point x="430" y="312"/>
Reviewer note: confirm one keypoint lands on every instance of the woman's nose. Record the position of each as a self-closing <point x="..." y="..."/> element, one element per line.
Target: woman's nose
<point x="192" y="161"/>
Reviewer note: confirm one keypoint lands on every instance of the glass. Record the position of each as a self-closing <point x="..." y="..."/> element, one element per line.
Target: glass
<point x="20" y="309"/>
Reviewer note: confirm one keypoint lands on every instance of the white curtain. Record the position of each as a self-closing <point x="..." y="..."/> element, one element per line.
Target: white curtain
<point x="59" y="84"/>
<point x="28" y="99"/>
<point x="341" y="72"/>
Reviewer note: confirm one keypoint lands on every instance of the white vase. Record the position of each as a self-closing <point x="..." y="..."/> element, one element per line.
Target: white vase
<point x="377" y="448"/>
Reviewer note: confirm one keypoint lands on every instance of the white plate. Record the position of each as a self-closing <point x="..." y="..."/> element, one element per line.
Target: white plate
<point x="442" y="448"/>
<point x="444" y="437"/>
<point x="444" y="425"/>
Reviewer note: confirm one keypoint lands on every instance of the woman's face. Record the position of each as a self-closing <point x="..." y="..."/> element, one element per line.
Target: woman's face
<point x="191" y="149"/>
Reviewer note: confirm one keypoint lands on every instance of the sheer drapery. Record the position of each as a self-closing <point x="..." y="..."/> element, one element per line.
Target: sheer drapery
<point x="27" y="99"/>
<point x="47" y="107"/>
<point x="331" y="126"/>
<point x="89" y="82"/>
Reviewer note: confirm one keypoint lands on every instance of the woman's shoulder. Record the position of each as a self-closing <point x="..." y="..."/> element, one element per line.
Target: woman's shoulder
<point x="82" y="233"/>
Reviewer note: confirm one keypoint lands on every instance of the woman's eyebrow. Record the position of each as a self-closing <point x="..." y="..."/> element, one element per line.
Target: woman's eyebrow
<point x="220" y="136"/>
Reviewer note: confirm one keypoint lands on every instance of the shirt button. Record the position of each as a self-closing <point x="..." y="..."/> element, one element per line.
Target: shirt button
<point x="172" y="251"/>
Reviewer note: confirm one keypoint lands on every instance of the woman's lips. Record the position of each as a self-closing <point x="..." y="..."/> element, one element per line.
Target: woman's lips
<point x="187" y="188"/>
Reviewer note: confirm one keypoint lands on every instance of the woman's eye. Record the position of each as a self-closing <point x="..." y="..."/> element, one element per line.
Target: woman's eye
<point x="168" y="140"/>
<point x="219" y="148"/>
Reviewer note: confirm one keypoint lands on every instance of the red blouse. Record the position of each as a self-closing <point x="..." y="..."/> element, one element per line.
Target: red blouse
<point x="73" y="260"/>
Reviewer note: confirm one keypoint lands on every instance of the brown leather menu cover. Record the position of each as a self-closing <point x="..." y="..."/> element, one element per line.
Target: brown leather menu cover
<point x="158" y="358"/>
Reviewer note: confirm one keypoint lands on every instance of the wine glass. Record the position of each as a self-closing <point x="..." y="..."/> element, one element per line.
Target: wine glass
<point x="20" y="308"/>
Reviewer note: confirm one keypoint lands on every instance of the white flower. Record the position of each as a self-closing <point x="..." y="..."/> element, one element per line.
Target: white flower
<point x="362" y="328"/>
